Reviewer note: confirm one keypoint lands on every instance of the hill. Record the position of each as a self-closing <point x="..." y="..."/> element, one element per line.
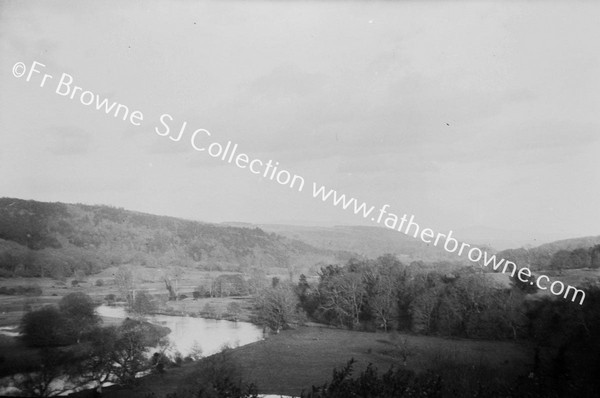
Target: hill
<point x="58" y="240"/>
<point x="502" y="239"/>
<point x="561" y="254"/>
<point x="367" y="241"/>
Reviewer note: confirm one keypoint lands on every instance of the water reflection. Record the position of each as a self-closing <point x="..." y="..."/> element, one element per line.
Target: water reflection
<point x="188" y="334"/>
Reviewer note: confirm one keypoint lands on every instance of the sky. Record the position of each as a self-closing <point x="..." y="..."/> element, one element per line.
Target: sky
<point x="464" y="114"/>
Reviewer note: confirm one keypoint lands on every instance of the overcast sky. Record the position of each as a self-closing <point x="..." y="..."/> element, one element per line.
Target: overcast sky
<point x="463" y="114"/>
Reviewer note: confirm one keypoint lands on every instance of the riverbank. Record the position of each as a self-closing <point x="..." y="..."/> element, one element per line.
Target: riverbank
<point x="45" y="291"/>
<point x="219" y="308"/>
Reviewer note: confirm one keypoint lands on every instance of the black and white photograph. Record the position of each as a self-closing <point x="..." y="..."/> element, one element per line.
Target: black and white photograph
<point x="300" y="199"/>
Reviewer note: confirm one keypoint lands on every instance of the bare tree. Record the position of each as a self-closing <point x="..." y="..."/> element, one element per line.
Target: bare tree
<point x="422" y="310"/>
<point x="171" y="279"/>
<point x="170" y="288"/>
<point x="384" y="299"/>
<point x="125" y="281"/>
<point x="344" y="295"/>
<point x="277" y="307"/>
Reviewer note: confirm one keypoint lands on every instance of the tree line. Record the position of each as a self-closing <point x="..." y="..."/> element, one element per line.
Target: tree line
<point x="562" y="338"/>
<point x="389" y="295"/>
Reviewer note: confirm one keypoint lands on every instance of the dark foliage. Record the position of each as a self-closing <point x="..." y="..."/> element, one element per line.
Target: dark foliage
<point x="44" y="328"/>
<point x="51" y="327"/>
<point x="21" y="290"/>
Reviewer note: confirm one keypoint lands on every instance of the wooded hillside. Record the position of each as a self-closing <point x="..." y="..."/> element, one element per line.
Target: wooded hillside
<point x="57" y="239"/>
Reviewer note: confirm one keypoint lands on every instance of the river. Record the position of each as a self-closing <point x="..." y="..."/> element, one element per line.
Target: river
<point x="189" y="334"/>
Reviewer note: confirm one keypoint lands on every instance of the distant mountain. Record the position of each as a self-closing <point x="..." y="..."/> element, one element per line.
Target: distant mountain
<point x="58" y="239"/>
<point x="364" y="240"/>
<point x="502" y="239"/>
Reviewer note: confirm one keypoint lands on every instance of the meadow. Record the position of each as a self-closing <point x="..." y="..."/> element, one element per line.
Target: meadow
<point x="294" y="360"/>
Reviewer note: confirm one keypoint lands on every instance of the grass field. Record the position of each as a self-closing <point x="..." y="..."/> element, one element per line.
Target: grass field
<point x="295" y="360"/>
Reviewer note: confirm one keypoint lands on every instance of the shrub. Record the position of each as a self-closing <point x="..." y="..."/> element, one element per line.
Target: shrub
<point x="74" y="283"/>
<point x="32" y="290"/>
<point x="230" y="285"/>
<point x="143" y="303"/>
<point x="203" y="291"/>
<point x="8" y="291"/>
<point x="209" y="310"/>
<point x="178" y="359"/>
<point x="99" y="282"/>
<point x="234" y="310"/>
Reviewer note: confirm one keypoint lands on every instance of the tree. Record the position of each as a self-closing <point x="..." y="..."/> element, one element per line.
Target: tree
<point x="560" y="260"/>
<point x="44" y="327"/>
<point x="309" y="300"/>
<point x="384" y="285"/>
<point x="275" y="281"/>
<point x="384" y="302"/>
<point x="51" y="326"/>
<point x="229" y="285"/>
<point x="171" y="279"/>
<point x="234" y="310"/>
<point x="278" y="307"/>
<point x="525" y="287"/>
<point x="595" y="256"/>
<point x="97" y="364"/>
<point x="257" y="280"/>
<point x="118" y="354"/>
<point x="128" y="352"/>
<point x="54" y="365"/>
<point x="514" y="314"/>
<point x="143" y="303"/>
<point x="170" y="288"/>
<point x="125" y="281"/>
<point x="422" y="311"/>
<point x="78" y="310"/>
<point x="79" y="275"/>
<point x="343" y="295"/>
<point x="581" y="258"/>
